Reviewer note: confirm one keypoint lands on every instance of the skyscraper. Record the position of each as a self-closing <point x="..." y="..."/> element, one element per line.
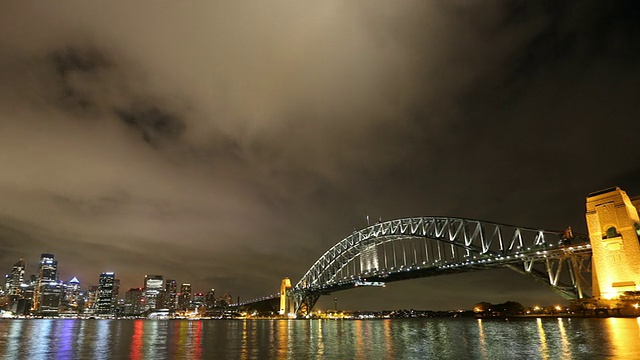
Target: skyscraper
<point x="133" y="302"/>
<point x="71" y="300"/>
<point x="171" y="293"/>
<point x="48" y="289"/>
<point x="185" y="297"/>
<point x="210" y="299"/>
<point x="92" y="299"/>
<point x="153" y="286"/>
<point x="105" y="298"/>
<point x="16" y="278"/>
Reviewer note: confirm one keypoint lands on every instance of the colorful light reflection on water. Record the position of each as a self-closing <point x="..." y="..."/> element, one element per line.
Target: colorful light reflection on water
<point x="546" y="338"/>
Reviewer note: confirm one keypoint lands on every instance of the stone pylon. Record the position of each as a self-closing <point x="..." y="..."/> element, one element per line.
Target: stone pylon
<point x="612" y="220"/>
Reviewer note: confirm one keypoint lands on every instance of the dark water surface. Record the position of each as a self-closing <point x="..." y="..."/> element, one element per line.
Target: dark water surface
<point x="548" y="338"/>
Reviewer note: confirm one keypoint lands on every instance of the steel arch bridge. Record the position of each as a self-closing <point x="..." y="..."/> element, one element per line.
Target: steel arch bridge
<point x="430" y="246"/>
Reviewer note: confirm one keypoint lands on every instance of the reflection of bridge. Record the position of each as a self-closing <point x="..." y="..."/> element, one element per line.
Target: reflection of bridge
<point x="430" y="246"/>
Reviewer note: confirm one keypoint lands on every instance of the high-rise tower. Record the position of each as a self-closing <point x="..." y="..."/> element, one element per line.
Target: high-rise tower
<point x="614" y="226"/>
<point x="185" y="297"/>
<point x="105" y="297"/>
<point x="16" y="278"/>
<point x="170" y="294"/>
<point x="48" y="290"/>
<point x="153" y="286"/>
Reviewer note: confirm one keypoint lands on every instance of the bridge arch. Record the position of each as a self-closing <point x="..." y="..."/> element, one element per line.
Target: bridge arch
<point x="429" y="246"/>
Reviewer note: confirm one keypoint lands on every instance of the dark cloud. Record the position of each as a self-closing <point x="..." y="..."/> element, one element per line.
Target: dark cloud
<point x="229" y="145"/>
<point x="153" y="124"/>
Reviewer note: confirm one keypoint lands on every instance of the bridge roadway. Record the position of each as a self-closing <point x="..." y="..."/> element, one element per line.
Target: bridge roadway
<point x="412" y="248"/>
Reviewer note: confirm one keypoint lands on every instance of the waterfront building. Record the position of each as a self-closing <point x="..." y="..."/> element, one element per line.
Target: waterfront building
<point x="210" y="299"/>
<point x="25" y="303"/>
<point x="16" y="278"/>
<point x="116" y="290"/>
<point x="153" y="287"/>
<point x="91" y="299"/>
<point x="71" y="296"/>
<point x="184" y="299"/>
<point x="171" y="295"/>
<point x="14" y="284"/>
<point x="133" y="302"/>
<point x="48" y="290"/>
<point x="105" y="299"/>
<point x="198" y="301"/>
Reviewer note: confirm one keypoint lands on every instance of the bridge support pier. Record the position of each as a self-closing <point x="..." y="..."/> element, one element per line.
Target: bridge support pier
<point x="285" y="285"/>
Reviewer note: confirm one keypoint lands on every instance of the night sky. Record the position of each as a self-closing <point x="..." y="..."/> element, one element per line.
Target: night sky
<point x="230" y="144"/>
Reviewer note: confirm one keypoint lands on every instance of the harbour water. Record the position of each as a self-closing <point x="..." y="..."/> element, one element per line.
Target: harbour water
<point x="448" y="338"/>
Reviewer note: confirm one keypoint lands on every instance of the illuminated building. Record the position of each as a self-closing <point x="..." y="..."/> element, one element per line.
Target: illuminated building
<point x="198" y="300"/>
<point x="48" y="290"/>
<point x="14" y="284"/>
<point x="116" y="289"/>
<point x="614" y="226"/>
<point x="16" y="278"/>
<point x="210" y="299"/>
<point x="153" y="286"/>
<point x="92" y="299"/>
<point x="184" y="299"/>
<point x="171" y="295"/>
<point x="133" y="302"/>
<point x="71" y="299"/>
<point x="105" y="298"/>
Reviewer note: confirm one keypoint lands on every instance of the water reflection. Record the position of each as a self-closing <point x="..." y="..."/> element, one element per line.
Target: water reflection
<point x="483" y="345"/>
<point x="135" y="350"/>
<point x="63" y="341"/>
<point x="12" y="344"/>
<point x="282" y="336"/>
<point x="564" y="339"/>
<point x="544" y="352"/>
<point x="625" y="334"/>
<point x="38" y="339"/>
<point x="388" y="339"/>
<point x="331" y="339"/>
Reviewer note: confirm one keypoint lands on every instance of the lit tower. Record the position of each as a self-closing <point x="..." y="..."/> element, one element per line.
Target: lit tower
<point x="153" y="286"/>
<point x="17" y="277"/>
<point x="72" y="294"/>
<point x="614" y="226"/>
<point x="184" y="300"/>
<point x="210" y="299"/>
<point x="14" y="282"/>
<point x="104" y="299"/>
<point x="171" y="293"/>
<point x="133" y="302"/>
<point x="48" y="291"/>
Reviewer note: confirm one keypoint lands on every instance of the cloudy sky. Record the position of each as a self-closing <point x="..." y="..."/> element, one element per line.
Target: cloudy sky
<point x="229" y="144"/>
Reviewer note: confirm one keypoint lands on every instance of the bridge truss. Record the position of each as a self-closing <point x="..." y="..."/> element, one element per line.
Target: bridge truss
<point x="431" y="246"/>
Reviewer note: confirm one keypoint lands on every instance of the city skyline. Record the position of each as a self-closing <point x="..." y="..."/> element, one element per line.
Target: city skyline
<point x="232" y="144"/>
<point x="11" y="272"/>
<point x="45" y="293"/>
